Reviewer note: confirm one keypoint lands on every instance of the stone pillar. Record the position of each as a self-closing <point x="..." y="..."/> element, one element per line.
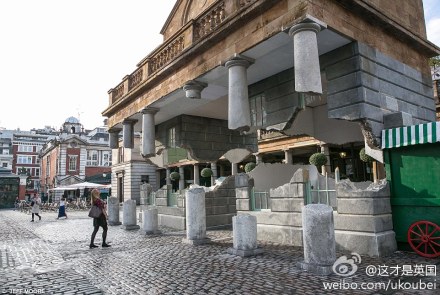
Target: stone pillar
<point x="168" y="179"/>
<point x="318" y="238"/>
<point x="113" y="141"/>
<point x="243" y="191"/>
<point x="129" y="222"/>
<point x="288" y="157"/>
<point x="214" y="173"/>
<point x="182" y="178"/>
<point x="258" y="158"/>
<point x="128" y="133"/>
<point x="239" y="114"/>
<point x="113" y="211"/>
<point x="196" y="174"/>
<point x="195" y="217"/>
<point x="306" y="58"/>
<point x="244" y="236"/>
<point x="234" y="168"/>
<point x="150" y="221"/>
<point x="325" y="150"/>
<point x="148" y="132"/>
<point x="193" y="89"/>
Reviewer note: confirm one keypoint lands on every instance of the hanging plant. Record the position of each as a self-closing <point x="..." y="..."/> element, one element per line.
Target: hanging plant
<point x="174" y="175"/>
<point x="318" y="159"/>
<point x="206" y="172"/>
<point x="249" y="167"/>
<point x="364" y="157"/>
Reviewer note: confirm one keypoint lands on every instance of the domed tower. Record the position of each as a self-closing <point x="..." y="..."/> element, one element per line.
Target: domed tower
<point x="72" y="125"/>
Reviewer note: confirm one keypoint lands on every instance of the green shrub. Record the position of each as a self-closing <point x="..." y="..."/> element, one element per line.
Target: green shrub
<point x="364" y="157"/>
<point x="174" y="175"/>
<point x="318" y="159"/>
<point x="206" y="172"/>
<point x="249" y="167"/>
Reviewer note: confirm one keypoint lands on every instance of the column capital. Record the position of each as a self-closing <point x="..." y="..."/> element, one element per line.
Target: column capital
<point x="304" y="27"/>
<point x="239" y="60"/>
<point x="194" y="88"/>
<point x="129" y="121"/>
<point x="149" y="110"/>
<point x="114" y="130"/>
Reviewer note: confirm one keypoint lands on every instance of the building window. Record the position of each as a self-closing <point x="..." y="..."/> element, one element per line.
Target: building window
<point x="37" y="172"/>
<point x="48" y="166"/>
<point x="92" y="158"/>
<point x="5" y="152"/>
<point x="258" y="110"/>
<point x="121" y="154"/>
<point x="5" y="165"/>
<point x="72" y="163"/>
<point x="106" y="158"/>
<point x="172" y="137"/>
<point x="24" y="159"/>
<point x="25" y="148"/>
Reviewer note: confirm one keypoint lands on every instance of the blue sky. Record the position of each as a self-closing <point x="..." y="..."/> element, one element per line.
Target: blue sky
<point x="59" y="58"/>
<point x="432" y="19"/>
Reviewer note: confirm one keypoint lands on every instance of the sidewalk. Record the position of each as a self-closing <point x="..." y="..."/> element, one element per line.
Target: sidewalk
<point x="52" y="257"/>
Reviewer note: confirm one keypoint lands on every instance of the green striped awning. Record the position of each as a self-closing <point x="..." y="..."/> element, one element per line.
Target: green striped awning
<point x="411" y="135"/>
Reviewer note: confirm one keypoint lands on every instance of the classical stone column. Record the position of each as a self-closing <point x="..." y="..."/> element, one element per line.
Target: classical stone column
<point x="129" y="221"/>
<point x="128" y="133"/>
<point x="193" y="89"/>
<point x="195" y="217"/>
<point x="168" y="179"/>
<point x="325" y="150"/>
<point x="150" y="221"/>
<point x="288" y="157"/>
<point x="181" y="178"/>
<point x="318" y="238"/>
<point x="196" y="174"/>
<point x="113" y="138"/>
<point x="113" y="211"/>
<point x="258" y="158"/>
<point x="214" y="172"/>
<point x="148" y="132"/>
<point x="239" y="114"/>
<point x="244" y="236"/>
<point x="234" y="168"/>
<point x="306" y="58"/>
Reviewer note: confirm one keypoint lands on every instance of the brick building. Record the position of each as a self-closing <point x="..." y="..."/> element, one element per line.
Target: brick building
<point x="73" y="156"/>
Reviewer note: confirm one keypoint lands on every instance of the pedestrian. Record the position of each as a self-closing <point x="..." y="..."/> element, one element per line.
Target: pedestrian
<point x="100" y="221"/>
<point x="36" y="202"/>
<point x="62" y="209"/>
<point x="17" y="203"/>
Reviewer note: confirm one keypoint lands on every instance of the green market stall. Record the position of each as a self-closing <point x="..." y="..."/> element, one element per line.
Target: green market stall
<point x="412" y="162"/>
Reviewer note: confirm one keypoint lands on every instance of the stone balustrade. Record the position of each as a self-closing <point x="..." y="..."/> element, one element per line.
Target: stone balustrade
<point x="172" y="48"/>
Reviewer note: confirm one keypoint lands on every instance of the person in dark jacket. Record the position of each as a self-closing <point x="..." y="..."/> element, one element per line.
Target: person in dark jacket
<point x="100" y="221"/>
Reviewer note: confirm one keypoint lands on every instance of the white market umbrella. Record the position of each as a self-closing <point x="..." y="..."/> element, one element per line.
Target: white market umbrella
<point x="86" y="184"/>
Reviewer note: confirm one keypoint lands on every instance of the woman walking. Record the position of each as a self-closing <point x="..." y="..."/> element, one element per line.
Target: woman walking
<point x="36" y="201"/>
<point x="100" y="221"/>
<point x="62" y="209"/>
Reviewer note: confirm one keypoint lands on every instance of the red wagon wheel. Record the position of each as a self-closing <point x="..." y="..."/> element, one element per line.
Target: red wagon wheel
<point x="424" y="238"/>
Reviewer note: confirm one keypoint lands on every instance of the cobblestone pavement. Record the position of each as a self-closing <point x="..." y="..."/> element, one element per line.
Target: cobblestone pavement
<point x="52" y="257"/>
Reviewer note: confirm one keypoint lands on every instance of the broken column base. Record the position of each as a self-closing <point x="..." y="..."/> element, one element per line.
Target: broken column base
<point x="112" y="223"/>
<point x="130" y="227"/>
<point x="245" y="253"/>
<point x="151" y="232"/>
<point x="196" y="242"/>
<point x="323" y="270"/>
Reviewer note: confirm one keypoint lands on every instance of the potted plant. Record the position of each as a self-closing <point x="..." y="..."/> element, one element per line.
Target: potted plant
<point x="206" y="172"/>
<point x="249" y="167"/>
<point x="318" y="159"/>
<point x="174" y="175"/>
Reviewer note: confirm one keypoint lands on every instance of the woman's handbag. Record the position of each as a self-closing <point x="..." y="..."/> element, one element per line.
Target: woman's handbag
<point x="95" y="212"/>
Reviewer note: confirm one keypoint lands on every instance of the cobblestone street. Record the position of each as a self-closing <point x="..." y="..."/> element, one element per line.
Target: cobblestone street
<point x="52" y="257"/>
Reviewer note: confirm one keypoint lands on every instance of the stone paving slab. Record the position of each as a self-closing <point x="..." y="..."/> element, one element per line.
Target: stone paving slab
<point x="52" y="257"/>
